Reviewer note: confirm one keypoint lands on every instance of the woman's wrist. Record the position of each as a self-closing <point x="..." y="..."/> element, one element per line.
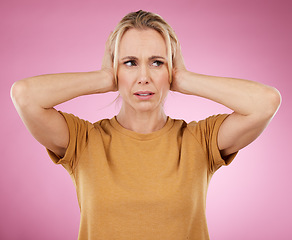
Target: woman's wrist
<point x="181" y="81"/>
<point x="106" y="77"/>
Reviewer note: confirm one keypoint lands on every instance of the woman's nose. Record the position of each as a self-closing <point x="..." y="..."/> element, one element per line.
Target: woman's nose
<point x="143" y="81"/>
<point x="143" y="77"/>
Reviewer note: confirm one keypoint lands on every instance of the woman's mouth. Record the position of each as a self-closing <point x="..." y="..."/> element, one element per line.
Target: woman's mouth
<point x="144" y="95"/>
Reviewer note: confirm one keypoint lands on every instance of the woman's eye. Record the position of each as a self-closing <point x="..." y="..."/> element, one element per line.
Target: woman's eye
<point x="157" y="63"/>
<point x="130" y="63"/>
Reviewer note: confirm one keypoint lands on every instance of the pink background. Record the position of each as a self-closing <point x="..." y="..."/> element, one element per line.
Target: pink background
<point x="250" y="39"/>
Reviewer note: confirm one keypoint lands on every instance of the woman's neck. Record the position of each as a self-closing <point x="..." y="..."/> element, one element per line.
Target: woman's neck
<point x="142" y="122"/>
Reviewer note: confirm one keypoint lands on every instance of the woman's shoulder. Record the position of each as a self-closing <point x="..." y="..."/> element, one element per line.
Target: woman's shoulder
<point x="209" y="121"/>
<point x="78" y="122"/>
<point x="102" y="123"/>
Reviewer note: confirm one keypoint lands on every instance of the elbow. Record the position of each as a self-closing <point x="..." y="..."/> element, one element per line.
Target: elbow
<point x="19" y="93"/>
<point x="273" y="101"/>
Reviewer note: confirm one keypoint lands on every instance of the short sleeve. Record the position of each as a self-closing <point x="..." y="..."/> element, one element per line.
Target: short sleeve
<point x="206" y="132"/>
<point x="78" y="137"/>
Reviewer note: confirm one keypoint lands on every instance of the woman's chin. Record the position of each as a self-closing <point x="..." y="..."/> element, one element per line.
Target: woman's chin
<point x="147" y="107"/>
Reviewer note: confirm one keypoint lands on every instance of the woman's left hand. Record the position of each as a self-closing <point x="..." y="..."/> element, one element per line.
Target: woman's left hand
<point x="179" y="71"/>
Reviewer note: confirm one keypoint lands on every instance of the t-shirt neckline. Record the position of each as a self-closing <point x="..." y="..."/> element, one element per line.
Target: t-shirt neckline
<point x="141" y="136"/>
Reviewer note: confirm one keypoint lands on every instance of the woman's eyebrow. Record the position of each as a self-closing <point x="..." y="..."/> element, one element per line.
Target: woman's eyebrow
<point x="155" y="57"/>
<point x="130" y="58"/>
<point x="135" y="58"/>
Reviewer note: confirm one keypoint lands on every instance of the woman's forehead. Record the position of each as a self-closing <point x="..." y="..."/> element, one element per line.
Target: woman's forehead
<point x="146" y="42"/>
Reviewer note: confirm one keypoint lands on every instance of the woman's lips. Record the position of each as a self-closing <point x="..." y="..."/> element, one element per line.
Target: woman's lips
<point x="144" y="95"/>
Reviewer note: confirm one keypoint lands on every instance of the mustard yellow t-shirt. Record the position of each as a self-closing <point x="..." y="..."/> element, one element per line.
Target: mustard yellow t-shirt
<point x="133" y="186"/>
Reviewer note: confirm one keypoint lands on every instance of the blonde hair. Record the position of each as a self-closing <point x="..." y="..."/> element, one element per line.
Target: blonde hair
<point x="143" y="20"/>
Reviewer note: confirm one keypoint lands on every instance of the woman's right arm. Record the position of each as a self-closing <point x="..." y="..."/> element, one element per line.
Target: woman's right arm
<point x="34" y="99"/>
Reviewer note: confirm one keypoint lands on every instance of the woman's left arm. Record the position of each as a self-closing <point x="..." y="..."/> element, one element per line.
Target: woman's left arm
<point x="254" y="104"/>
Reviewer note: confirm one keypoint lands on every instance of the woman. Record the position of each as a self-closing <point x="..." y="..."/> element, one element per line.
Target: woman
<point x="141" y="174"/>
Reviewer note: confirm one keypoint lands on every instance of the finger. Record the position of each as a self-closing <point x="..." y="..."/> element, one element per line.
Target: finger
<point x="178" y="60"/>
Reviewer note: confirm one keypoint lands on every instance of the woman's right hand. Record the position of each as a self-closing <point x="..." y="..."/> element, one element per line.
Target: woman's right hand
<point x="107" y="67"/>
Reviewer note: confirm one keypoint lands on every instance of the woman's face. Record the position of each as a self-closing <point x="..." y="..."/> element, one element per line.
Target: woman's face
<point x="143" y="77"/>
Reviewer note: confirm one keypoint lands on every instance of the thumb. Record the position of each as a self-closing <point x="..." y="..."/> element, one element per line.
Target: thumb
<point x="178" y="59"/>
<point x="107" y="61"/>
